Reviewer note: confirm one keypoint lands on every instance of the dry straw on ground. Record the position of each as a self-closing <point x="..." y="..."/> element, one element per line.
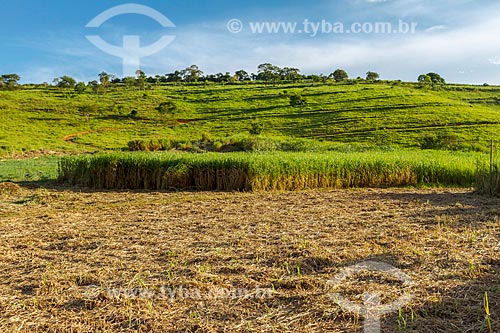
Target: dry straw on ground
<point x="58" y="244"/>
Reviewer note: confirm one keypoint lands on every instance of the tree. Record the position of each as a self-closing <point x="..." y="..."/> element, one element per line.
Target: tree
<point x="339" y="75"/>
<point x="141" y="79"/>
<point x="424" y="80"/>
<point x="104" y="78"/>
<point x="130" y="81"/>
<point x="192" y="73"/>
<point x="9" y="81"/>
<point x="315" y="78"/>
<point x="158" y="79"/>
<point x="219" y="77"/>
<point x="372" y="76"/>
<point x="268" y="72"/>
<point x="65" y="82"/>
<point x="434" y="78"/>
<point x="174" y="77"/>
<point x="140" y="74"/>
<point x="291" y="74"/>
<point x="80" y="88"/>
<point x="242" y="75"/>
<point x="211" y="78"/>
<point x="94" y="85"/>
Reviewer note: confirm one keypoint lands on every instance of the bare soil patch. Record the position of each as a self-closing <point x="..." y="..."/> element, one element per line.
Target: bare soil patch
<point x="71" y="137"/>
<point x="62" y="251"/>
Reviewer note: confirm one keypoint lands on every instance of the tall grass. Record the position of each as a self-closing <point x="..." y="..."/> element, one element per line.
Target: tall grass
<point x="155" y="171"/>
<point x="488" y="182"/>
<point x="268" y="171"/>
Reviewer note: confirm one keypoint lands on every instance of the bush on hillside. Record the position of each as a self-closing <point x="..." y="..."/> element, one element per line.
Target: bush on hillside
<point x="153" y="145"/>
<point x="256" y="128"/>
<point x="297" y="100"/>
<point x="88" y="109"/>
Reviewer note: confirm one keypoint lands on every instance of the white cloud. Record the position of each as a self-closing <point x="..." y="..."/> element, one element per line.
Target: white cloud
<point x="39" y="74"/>
<point x="436" y="28"/>
<point x="495" y="61"/>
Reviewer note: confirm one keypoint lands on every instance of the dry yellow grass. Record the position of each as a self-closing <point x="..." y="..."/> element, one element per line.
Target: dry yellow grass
<point x="60" y="251"/>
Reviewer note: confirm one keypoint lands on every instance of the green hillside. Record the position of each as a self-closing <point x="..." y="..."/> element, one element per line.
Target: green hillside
<point x="385" y="113"/>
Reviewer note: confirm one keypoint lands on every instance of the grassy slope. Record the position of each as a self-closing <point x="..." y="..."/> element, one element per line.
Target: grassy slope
<point x="39" y="119"/>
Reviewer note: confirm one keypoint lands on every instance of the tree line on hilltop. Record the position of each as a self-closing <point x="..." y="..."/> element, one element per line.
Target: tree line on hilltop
<point x="267" y="73"/>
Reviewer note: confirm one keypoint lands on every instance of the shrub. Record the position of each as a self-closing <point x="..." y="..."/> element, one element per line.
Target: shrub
<point x="88" y="109"/>
<point x="165" y="144"/>
<point x="256" y="128"/>
<point x="440" y="141"/>
<point x="80" y="88"/>
<point x="218" y="145"/>
<point x="384" y="138"/>
<point x="297" y="100"/>
<point x="136" y="145"/>
<point x="186" y="146"/>
<point x="152" y="145"/>
<point x="168" y="107"/>
<point x="181" y="143"/>
<point x="206" y="137"/>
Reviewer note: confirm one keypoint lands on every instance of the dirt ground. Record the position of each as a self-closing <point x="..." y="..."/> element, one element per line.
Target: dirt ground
<point x="77" y="261"/>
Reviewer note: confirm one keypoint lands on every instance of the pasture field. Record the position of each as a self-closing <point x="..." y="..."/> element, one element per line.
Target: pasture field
<point x="386" y="113"/>
<point x="93" y="261"/>
<point x="38" y="169"/>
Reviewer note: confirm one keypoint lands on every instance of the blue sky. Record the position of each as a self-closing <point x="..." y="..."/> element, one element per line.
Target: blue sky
<point x="459" y="39"/>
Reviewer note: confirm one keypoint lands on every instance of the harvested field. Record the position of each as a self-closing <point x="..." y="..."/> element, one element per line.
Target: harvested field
<point x="64" y="253"/>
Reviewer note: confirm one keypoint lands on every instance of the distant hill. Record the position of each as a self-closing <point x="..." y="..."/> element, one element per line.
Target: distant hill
<point x="383" y="113"/>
